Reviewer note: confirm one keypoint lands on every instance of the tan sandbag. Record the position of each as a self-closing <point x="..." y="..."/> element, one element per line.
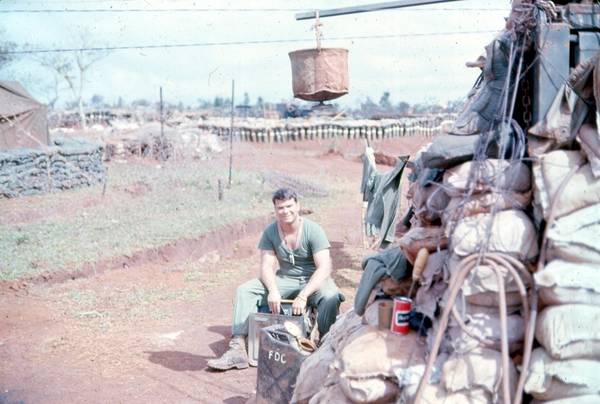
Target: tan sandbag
<point x="581" y="190"/>
<point x="511" y="232"/>
<point x="371" y="352"/>
<point x="477" y="177"/>
<point x="484" y="203"/>
<point x="564" y="282"/>
<point x="312" y="375"/>
<point x="340" y="331"/>
<point x="372" y="356"/>
<point x="430" y="238"/>
<point x="570" y="331"/>
<point x="549" y="379"/>
<point x="481" y="368"/>
<point x="330" y="395"/>
<point x="574" y="237"/>
<point x="435" y="394"/>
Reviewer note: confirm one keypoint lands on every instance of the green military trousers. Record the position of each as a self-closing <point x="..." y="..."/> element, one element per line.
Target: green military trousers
<point x="253" y="294"/>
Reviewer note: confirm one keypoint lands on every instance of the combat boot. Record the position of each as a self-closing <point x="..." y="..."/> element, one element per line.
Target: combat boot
<point x="235" y="357"/>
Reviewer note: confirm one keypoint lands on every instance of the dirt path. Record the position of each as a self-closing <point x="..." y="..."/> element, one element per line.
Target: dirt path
<point x="143" y="333"/>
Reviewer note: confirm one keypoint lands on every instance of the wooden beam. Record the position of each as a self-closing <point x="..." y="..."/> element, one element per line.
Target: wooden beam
<point x="367" y="8"/>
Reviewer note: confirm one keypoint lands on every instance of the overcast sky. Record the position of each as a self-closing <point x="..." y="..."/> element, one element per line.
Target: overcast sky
<point x="416" y="54"/>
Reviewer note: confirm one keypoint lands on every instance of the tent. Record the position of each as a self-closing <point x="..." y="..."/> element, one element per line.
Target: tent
<point x="23" y="120"/>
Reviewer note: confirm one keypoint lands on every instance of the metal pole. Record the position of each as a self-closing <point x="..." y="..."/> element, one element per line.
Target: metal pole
<point x="231" y="131"/>
<point x="366" y="8"/>
<point x="162" y="132"/>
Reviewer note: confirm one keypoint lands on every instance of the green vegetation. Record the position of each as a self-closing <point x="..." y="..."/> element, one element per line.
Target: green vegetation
<point x="144" y="206"/>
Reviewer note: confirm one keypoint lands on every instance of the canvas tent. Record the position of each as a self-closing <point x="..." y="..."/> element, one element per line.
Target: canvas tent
<point x="23" y="121"/>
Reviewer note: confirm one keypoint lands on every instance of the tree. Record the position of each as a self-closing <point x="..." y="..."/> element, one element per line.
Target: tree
<point x="5" y="48"/>
<point x="403" y="107"/>
<point x="97" y="101"/>
<point x="384" y="103"/>
<point x="72" y="66"/>
<point x="246" y="99"/>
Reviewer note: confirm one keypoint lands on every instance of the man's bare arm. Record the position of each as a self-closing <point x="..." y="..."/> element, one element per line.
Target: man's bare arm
<point x="318" y="278"/>
<point x="267" y="276"/>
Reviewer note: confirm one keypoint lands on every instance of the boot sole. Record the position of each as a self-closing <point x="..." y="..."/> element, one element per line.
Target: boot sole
<point x="238" y="366"/>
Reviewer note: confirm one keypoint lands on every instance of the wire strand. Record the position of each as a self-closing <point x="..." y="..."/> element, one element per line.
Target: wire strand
<point x="241" y="42"/>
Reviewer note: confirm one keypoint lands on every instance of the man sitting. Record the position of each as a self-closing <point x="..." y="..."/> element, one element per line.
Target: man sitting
<point x="301" y="248"/>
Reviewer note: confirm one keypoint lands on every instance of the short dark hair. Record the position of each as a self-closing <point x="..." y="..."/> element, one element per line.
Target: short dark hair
<point x="283" y="194"/>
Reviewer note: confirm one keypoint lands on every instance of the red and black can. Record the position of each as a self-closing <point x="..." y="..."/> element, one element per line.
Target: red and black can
<point x="400" y="316"/>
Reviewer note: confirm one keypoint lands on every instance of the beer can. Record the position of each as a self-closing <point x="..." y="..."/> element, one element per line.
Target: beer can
<point x="401" y="314"/>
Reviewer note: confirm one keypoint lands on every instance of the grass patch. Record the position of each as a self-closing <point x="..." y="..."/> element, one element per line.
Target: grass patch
<point x="144" y="207"/>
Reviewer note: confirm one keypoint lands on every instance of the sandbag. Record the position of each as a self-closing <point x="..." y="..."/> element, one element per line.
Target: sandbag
<point x="484" y="203"/>
<point x="549" y="379"/>
<point x="428" y="202"/>
<point x="435" y="394"/>
<point x="574" y="237"/>
<point x="481" y="367"/>
<point x="564" y="282"/>
<point x="312" y="375"/>
<point x="370" y="358"/>
<point x="488" y="326"/>
<point x="449" y="150"/>
<point x="570" y="331"/>
<point x="581" y="190"/>
<point x="431" y="238"/>
<point x="374" y="390"/>
<point x="477" y="176"/>
<point x="511" y="232"/>
<point x="330" y="395"/>
<point x="589" y="140"/>
<point x="431" y="284"/>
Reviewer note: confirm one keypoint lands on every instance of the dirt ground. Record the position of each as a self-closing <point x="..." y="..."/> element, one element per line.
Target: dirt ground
<point x="128" y="333"/>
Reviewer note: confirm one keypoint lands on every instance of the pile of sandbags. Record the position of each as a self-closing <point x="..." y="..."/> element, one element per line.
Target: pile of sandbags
<point x="358" y="362"/>
<point x="566" y="365"/>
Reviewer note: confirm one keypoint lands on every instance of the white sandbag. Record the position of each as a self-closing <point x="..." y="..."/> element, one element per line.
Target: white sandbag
<point x="587" y="399"/>
<point x="435" y="394"/>
<point x="484" y="203"/>
<point x="574" y="237"/>
<point x="564" y="282"/>
<point x="511" y="232"/>
<point x="488" y="326"/>
<point x="549" y="379"/>
<point x="570" y="331"/>
<point x="373" y="390"/>
<point x="480" y="367"/>
<point x="371" y="356"/>
<point x="483" y="279"/>
<point x="476" y="177"/>
<point x="582" y="189"/>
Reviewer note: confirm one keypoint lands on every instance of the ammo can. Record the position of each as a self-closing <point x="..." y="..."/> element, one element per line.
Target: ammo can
<point x="279" y="362"/>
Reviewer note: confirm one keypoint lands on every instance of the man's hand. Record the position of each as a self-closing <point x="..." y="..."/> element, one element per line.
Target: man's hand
<point x="274" y="300"/>
<point x="299" y="305"/>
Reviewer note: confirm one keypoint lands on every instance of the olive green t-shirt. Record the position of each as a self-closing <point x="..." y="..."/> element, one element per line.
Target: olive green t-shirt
<point x="312" y="241"/>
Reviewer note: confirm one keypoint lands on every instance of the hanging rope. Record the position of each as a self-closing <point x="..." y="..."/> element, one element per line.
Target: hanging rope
<point x="316" y="26"/>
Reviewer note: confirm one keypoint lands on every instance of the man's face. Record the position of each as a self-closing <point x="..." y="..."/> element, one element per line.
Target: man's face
<point x="287" y="211"/>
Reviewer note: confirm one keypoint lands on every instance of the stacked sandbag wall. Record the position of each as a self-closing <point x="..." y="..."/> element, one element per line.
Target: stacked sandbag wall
<point x="69" y="163"/>
<point x="279" y="131"/>
<point x="565" y="365"/>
